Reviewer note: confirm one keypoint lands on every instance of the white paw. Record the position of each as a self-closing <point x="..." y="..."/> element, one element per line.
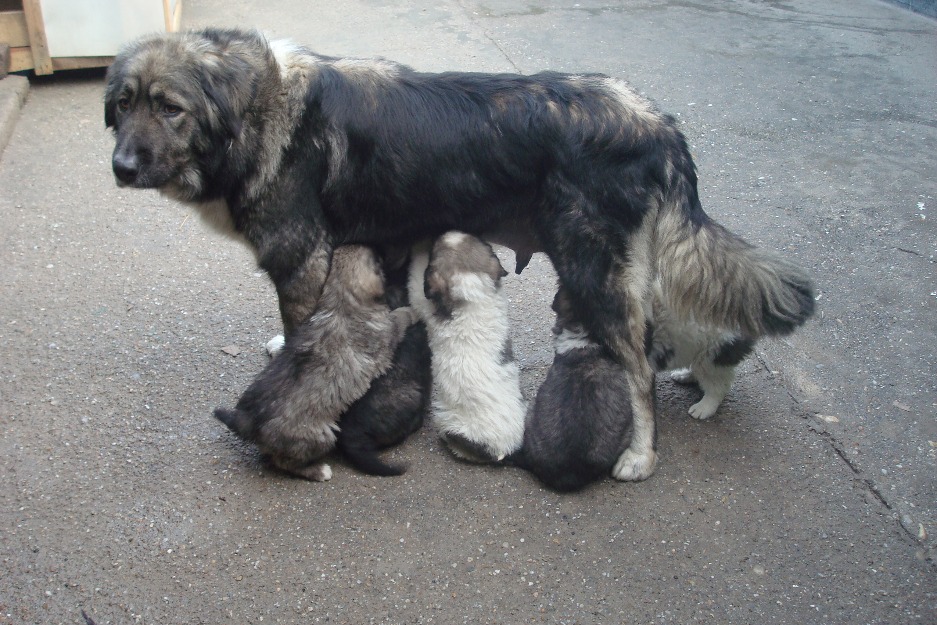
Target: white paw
<point x="633" y="466"/>
<point x="275" y="344"/>
<point x="703" y="409"/>
<point x="683" y="376"/>
<point x="325" y="473"/>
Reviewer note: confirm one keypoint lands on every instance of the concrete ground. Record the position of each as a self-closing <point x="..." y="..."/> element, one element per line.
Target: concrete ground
<point x="809" y="498"/>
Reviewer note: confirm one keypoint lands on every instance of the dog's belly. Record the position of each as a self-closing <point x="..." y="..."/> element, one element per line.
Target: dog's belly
<point x="506" y="224"/>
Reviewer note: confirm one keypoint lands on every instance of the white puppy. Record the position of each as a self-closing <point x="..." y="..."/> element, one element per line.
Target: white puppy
<point x="477" y="405"/>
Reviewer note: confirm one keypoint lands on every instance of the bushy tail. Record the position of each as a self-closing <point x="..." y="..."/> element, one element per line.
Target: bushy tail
<point x="363" y="456"/>
<point x="711" y="276"/>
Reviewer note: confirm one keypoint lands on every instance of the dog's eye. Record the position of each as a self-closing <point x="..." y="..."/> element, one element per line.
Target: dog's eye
<point x="123" y="103"/>
<point x="171" y="109"/>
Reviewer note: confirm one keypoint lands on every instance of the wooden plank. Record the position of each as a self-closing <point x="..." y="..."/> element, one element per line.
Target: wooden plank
<point x="13" y="30"/>
<point x="177" y="16"/>
<point x="38" y="45"/>
<point x="80" y="62"/>
<point x="21" y="59"/>
<point x="172" y="14"/>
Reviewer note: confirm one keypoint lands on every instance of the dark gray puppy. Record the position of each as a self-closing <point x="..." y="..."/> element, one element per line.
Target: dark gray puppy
<point x="292" y="409"/>
<point x="581" y="420"/>
<point x="397" y="402"/>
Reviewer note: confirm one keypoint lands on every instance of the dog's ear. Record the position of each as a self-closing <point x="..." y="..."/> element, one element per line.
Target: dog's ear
<point x="222" y="102"/>
<point x="114" y="83"/>
<point x="497" y="271"/>
<point x="436" y="289"/>
<point x="229" y="79"/>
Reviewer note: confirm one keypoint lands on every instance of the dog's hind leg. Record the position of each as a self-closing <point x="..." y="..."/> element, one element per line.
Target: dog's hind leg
<point x="607" y="289"/>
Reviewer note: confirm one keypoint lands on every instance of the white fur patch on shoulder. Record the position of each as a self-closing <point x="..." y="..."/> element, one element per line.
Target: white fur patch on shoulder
<point x="285" y="51"/>
<point x="569" y="340"/>
<point x="376" y="67"/>
<point x="632" y="101"/>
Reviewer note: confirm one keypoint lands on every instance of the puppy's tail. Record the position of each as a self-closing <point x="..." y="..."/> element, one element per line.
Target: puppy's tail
<point x="363" y="456"/>
<point x="237" y="420"/>
<point x="711" y="276"/>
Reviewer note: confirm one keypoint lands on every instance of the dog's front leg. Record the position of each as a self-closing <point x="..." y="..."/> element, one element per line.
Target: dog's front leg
<point x="299" y="290"/>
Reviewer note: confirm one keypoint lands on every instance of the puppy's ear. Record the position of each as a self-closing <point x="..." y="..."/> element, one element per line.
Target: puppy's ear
<point x="437" y="291"/>
<point x="495" y="270"/>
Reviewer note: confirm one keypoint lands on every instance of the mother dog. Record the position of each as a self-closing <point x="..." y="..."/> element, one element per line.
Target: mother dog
<point x="297" y="153"/>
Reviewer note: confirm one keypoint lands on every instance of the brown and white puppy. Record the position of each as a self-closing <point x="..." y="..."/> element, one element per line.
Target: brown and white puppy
<point x="292" y="409"/>
<point x="478" y="408"/>
<point x="581" y="419"/>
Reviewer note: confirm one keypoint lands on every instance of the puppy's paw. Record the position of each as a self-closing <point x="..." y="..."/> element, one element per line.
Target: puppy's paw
<point x="633" y="466"/>
<point x="469" y="450"/>
<point x="317" y="472"/>
<point x="704" y="408"/>
<point x="275" y="344"/>
<point x="683" y="376"/>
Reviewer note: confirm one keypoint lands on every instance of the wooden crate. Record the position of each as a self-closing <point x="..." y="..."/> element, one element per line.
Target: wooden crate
<point x="22" y="27"/>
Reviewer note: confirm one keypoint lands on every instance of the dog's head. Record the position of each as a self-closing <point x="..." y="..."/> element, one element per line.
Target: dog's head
<point x="177" y="103"/>
<point x="461" y="268"/>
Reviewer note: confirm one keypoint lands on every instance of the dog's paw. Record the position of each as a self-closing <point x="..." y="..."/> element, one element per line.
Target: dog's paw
<point x="275" y="344"/>
<point x="317" y="472"/>
<point x="683" y="376"/>
<point x="633" y="466"/>
<point x="703" y="409"/>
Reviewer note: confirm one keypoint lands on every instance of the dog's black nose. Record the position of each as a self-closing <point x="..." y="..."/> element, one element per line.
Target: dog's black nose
<point x="126" y="167"/>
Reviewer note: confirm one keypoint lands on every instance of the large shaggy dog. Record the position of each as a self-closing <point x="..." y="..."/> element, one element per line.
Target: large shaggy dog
<point x="296" y="153"/>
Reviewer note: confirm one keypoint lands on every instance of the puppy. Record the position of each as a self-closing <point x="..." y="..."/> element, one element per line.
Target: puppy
<point x="695" y="352"/>
<point x="397" y="402"/>
<point x="477" y="404"/>
<point x="581" y="421"/>
<point x="291" y="410"/>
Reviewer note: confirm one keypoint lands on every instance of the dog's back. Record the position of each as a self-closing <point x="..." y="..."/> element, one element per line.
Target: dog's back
<point x="477" y="404"/>
<point x="581" y="418"/>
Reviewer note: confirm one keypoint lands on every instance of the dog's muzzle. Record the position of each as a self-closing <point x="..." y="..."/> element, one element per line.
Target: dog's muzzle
<point x="126" y="166"/>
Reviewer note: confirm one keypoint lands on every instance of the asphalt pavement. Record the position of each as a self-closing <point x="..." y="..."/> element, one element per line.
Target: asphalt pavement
<point x="809" y="498"/>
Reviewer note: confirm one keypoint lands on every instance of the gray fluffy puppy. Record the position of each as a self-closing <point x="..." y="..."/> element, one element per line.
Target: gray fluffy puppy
<point x="292" y="409"/>
<point x="581" y="421"/>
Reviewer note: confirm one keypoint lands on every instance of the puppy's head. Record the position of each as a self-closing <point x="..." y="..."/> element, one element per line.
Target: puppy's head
<point x="461" y="268"/>
<point x="356" y="270"/>
<point x="176" y="103"/>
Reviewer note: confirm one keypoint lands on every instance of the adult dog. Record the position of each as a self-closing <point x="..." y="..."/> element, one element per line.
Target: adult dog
<point x="298" y="152"/>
